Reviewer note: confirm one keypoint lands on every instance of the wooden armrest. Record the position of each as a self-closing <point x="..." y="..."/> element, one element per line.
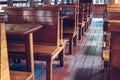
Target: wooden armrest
<point x="19" y="75"/>
<point x="113" y="10"/>
<point x="106" y="55"/>
<point x="113" y="5"/>
<point x="113" y="21"/>
<point x="63" y="43"/>
<point x="82" y="24"/>
<point x="104" y="45"/>
<point x="104" y="33"/>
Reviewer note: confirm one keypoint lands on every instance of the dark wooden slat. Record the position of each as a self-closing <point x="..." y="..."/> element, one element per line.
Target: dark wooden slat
<point x="85" y="73"/>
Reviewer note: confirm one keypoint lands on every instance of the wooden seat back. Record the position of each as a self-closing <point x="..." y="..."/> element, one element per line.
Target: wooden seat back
<point x="71" y="21"/>
<point x="112" y="13"/>
<point x="115" y="50"/>
<point x="48" y="17"/>
<point x="114" y="56"/>
<point x="81" y="13"/>
<point x="69" y="10"/>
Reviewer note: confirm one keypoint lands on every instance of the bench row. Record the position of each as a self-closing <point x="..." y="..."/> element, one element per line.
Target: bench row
<point x="111" y="45"/>
<point x="48" y="42"/>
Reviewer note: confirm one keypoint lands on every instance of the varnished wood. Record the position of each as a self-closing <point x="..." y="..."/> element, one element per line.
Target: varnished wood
<point x="98" y="10"/>
<point x="111" y="56"/>
<point x="106" y="55"/>
<point x="12" y="75"/>
<point x="21" y="29"/>
<point x="47" y="42"/>
<point x="4" y="72"/>
<point x="70" y="30"/>
<point x="27" y="32"/>
<point x="69" y="33"/>
<point x="113" y="5"/>
<point x="81" y="22"/>
<point x="19" y="75"/>
<point x="111" y="18"/>
<point x="39" y="16"/>
<point x="113" y="25"/>
<point x="114" y="64"/>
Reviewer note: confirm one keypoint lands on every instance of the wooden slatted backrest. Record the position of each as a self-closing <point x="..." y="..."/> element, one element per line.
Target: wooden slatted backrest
<point x="71" y="12"/>
<point x="46" y="16"/>
<point x="81" y="12"/>
<point x="115" y="50"/>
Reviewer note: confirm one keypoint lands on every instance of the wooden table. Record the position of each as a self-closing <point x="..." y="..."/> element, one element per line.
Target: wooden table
<point x="27" y="31"/>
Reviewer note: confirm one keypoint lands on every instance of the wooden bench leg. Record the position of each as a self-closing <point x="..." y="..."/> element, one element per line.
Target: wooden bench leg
<point x="61" y="58"/>
<point x="105" y="70"/>
<point x="80" y="33"/>
<point x="49" y="70"/>
<point x="75" y="40"/>
<point x="70" y="45"/>
<point x="83" y="30"/>
<point x="86" y="25"/>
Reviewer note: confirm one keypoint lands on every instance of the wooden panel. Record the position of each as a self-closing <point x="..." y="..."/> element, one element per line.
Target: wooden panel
<point x="18" y="75"/>
<point x="3" y="55"/>
<point x="98" y="10"/>
<point x="46" y="16"/>
<point x="47" y="36"/>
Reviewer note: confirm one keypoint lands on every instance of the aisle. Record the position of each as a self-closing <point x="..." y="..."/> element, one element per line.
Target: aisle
<point x="88" y="65"/>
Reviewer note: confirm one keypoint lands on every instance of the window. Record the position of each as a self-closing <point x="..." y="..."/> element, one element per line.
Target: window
<point x="2" y="3"/>
<point x="98" y="1"/>
<point x="117" y="1"/>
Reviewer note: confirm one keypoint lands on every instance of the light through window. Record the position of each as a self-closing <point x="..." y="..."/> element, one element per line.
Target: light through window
<point x="98" y="1"/>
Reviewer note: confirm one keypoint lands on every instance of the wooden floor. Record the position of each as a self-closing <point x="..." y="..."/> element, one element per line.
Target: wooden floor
<point x="86" y="62"/>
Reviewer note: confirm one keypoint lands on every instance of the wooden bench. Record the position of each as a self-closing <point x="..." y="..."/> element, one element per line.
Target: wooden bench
<point x="69" y="23"/>
<point x="111" y="56"/>
<point x="4" y="67"/>
<point x="85" y="7"/>
<point x="70" y="28"/>
<point x="19" y="75"/>
<point x="111" y="13"/>
<point x="87" y="17"/>
<point x="48" y="43"/>
<point x="6" y="74"/>
<point x="81" y="22"/>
